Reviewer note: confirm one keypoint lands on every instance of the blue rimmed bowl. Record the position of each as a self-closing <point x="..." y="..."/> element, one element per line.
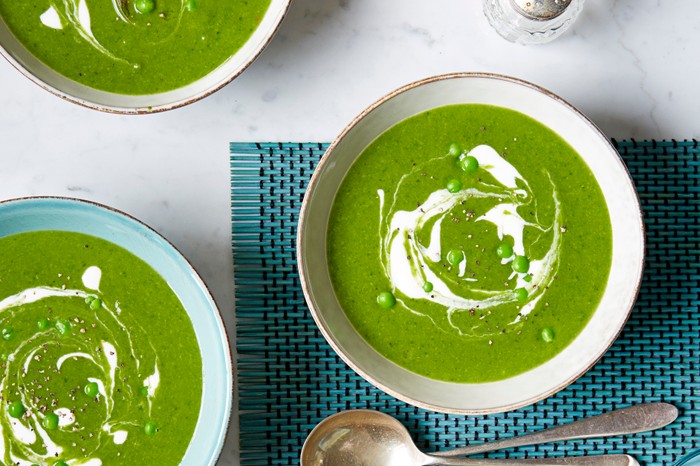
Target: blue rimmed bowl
<point x="65" y="214"/>
<point x="692" y="459"/>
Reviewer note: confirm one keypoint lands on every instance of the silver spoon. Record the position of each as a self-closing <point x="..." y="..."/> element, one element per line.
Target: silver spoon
<point x="371" y="438"/>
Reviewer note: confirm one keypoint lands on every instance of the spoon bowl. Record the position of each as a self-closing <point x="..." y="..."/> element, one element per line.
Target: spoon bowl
<point x="360" y="437"/>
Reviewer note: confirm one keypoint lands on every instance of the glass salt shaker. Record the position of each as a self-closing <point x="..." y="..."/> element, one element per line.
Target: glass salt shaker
<point x="531" y="21"/>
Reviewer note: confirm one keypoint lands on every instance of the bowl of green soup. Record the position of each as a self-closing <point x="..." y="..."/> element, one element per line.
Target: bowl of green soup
<point x="136" y="56"/>
<point x="471" y="243"/>
<point x="113" y="351"/>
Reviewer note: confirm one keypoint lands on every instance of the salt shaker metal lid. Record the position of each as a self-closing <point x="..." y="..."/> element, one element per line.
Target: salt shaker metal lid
<point x="541" y="10"/>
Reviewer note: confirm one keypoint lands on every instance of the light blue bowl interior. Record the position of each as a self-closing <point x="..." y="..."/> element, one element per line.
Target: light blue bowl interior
<point x="32" y="214"/>
<point x="692" y="459"/>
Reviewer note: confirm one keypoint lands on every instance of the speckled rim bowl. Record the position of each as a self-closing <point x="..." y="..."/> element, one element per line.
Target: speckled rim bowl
<point x="80" y="94"/>
<point x="540" y="382"/>
<point x="687" y="459"/>
<point x="50" y="213"/>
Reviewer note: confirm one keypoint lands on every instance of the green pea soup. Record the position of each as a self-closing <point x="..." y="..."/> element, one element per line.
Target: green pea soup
<point x="469" y="243"/>
<point x="100" y="362"/>
<point x="133" y="47"/>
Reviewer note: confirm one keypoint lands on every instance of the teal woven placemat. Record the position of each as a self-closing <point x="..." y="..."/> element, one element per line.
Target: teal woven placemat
<point x="289" y="379"/>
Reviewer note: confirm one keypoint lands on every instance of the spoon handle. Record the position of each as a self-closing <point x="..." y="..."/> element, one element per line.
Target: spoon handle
<point x="640" y="418"/>
<point x="593" y="460"/>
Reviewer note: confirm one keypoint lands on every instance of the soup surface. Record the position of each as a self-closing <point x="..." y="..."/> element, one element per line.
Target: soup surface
<point x="100" y="361"/>
<point x="469" y="243"/>
<point x="133" y="46"/>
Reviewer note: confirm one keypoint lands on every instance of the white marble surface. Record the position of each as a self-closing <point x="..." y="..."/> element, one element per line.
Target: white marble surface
<point x="630" y="65"/>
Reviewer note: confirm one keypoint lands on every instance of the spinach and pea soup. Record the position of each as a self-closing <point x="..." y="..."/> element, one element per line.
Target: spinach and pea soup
<point x="133" y="46"/>
<point x="100" y="364"/>
<point x="469" y="243"/>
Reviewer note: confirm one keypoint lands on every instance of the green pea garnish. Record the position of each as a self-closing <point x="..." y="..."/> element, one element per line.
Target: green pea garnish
<point x="527" y="278"/>
<point x="43" y="324"/>
<point x="455" y="256"/>
<point x="454" y="186"/>
<point x="50" y="422"/>
<point x="60" y="463"/>
<point x="7" y="334"/>
<point x="521" y="264"/>
<point x="427" y="287"/>
<point x="150" y="428"/>
<point x="62" y="327"/>
<point x="143" y="391"/>
<point x="547" y="335"/>
<point x="191" y="5"/>
<point x="454" y="150"/>
<point x="520" y="294"/>
<point x="386" y="299"/>
<point x="91" y="389"/>
<point x="145" y="6"/>
<point x="469" y="164"/>
<point x="16" y="409"/>
<point x="504" y="250"/>
<point x="96" y="304"/>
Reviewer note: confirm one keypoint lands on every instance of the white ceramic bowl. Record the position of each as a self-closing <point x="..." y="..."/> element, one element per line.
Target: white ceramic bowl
<point x="68" y="89"/>
<point x="540" y="382"/>
<point x="64" y="214"/>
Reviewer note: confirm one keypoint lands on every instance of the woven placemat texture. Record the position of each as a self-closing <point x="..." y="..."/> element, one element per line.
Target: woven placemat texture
<point x="289" y="379"/>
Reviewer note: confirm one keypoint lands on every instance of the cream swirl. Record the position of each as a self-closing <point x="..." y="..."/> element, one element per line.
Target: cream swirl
<point x="83" y="341"/>
<point x="410" y="261"/>
<point x="76" y="14"/>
